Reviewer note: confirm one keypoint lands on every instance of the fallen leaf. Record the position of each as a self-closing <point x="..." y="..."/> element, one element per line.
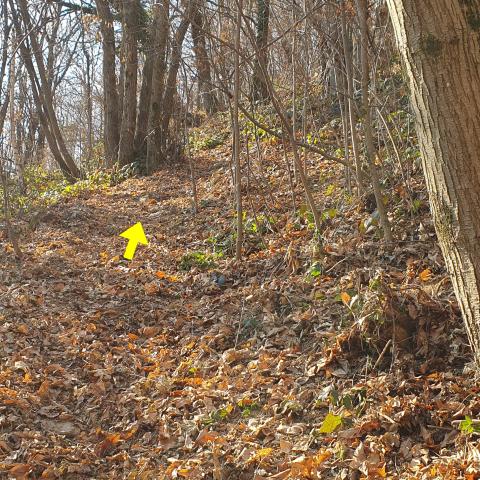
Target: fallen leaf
<point x="331" y="423"/>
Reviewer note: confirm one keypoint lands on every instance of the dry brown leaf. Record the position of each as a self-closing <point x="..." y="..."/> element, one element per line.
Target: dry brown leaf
<point x="20" y="471"/>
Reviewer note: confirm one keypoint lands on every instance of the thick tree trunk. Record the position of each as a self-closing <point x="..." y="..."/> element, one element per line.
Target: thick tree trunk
<point x="161" y="22"/>
<point x="144" y="105"/>
<point x="129" y="115"/>
<point x="110" y="92"/>
<point x="206" y="93"/>
<point x="260" y="89"/>
<point x="439" y="43"/>
<point x="147" y="39"/>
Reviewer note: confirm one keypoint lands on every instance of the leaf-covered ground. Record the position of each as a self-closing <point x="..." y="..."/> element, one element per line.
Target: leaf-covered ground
<point x="346" y="361"/>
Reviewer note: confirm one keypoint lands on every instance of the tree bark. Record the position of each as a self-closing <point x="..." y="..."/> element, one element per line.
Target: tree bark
<point x="208" y="100"/>
<point x="161" y="22"/>
<point x="439" y="43"/>
<point x="171" y="85"/>
<point x="260" y="89"/>
<point x="144" y="106"/>
<point x="127" y="130"/>
<point x="110" y="92"/>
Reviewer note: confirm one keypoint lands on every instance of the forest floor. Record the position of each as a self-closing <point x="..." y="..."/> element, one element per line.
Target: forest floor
<point x="350" y="362"/>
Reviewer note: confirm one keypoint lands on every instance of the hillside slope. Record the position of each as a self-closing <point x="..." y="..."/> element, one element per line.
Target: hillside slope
<point x="345" y="361"/>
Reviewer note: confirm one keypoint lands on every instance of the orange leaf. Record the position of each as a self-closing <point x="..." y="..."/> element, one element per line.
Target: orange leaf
<point x="205" y="436"/>
<point x="382" y="472"/>
<point x="345" y="298"/>
<point x="425" y="275"/>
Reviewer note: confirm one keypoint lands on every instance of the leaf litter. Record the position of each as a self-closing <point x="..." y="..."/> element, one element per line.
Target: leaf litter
<point x="347" y="363"/>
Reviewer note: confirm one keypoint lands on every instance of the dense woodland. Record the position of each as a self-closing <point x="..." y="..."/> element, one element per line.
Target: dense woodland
<point x="306" y="303"/>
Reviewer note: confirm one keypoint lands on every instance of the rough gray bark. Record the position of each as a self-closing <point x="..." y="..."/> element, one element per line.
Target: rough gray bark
<point x="439" y="43"/>
<point x="171" y="85"/>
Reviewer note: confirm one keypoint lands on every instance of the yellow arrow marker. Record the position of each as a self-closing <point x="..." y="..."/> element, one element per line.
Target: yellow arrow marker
<point x="135" y="235"/>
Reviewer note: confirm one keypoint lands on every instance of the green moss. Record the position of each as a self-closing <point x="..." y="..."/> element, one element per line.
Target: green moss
<point x="473" y="19"/>
<point x="431" y="45"/>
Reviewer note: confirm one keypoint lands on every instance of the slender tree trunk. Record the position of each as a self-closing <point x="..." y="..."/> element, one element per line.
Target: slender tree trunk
<point x="352" y="117"/>
<point x="127" y="130"/>
<point x="144" y="105"/>
<point x="110" y="92"/>
<point x="370" y="153"/>
<point x="236" y="134"/>
<point x="440" y="46"/>
<point x="42" y="95"/>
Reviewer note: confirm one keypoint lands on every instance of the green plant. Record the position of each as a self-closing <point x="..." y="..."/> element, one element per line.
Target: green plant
<point x="247" y="406"/>
<point x="199" y="140"/>
<point x="201" y="260"/>
<point x="469" y="426"/>
<point x="315" y="270"/>
<point x="217" y="415"/>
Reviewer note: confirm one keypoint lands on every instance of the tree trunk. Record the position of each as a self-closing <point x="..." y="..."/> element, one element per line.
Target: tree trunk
<point x="439" y="43"/>
<point x="260" y="89"/>
<point x="370" y="153"/>
<point x="171" y="85"/>
<point x="347" y="52"/>
<point x="236" y="134"/>
<point x="42" y="95"/>
<point x="161" y="23"/>
<point x="144" y="105"/>
<point x="110" y="92"/>
<point x="129" y="115"/>
<point x="206" y="93"/>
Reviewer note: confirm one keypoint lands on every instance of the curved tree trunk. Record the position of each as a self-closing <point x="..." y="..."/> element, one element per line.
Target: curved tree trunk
<point x="439" y="42"/>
